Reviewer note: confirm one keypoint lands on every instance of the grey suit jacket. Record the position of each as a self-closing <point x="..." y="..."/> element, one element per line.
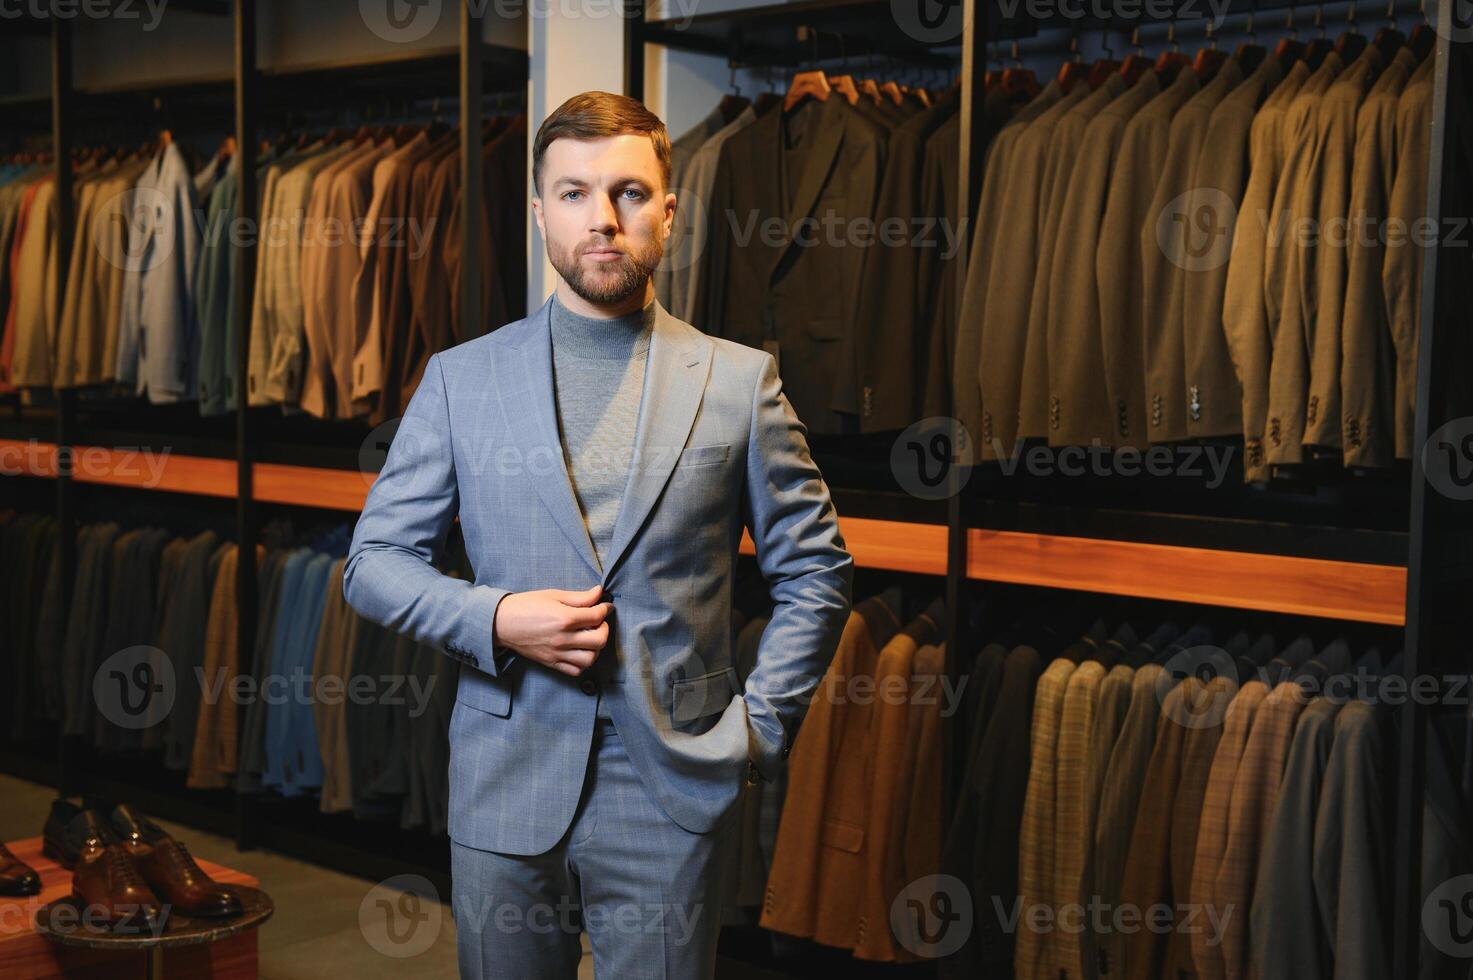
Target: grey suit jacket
<point x="717" y="447"/>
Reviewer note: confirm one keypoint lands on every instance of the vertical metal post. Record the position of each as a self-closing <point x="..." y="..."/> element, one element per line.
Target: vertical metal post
<point x="247" y="81"/>
<point x="634" y="14"/>
<point x="472" y="89"/>
<point x="1438" y="571"/>
<point x="62" y="112"/>
<point x="969" y="177"/>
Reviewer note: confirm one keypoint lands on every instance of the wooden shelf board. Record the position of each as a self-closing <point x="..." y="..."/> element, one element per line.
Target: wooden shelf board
<point x="1242" y="580"/>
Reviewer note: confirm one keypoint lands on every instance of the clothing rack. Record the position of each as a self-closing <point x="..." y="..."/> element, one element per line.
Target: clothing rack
<point x="47" y="437"/>
<point x="1418" y="579"/>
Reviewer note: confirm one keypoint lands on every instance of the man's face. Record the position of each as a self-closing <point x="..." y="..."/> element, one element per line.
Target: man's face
<point x="604" y="214"/>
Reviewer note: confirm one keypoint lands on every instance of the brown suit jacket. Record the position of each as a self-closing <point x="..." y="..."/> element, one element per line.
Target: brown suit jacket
<point x="1118" y="270"/>
<point x="1034" y="411"/>
<point x="1162" y="260"/>
<point x="818" y="863"/>
<point x="1255" y="791"/>
<point x="966" y="361"/>
<point x="1402" y="274"/>
<point x="1245" y="310"/>
<point x="1324" y="273"/>
<point x="1285" y="269"/>
<point x="1033" y="956"/>
<point x="1010" y="278"/>
<point x="1212" y="824"/>
<point x="1078" y="404"/>
<point x="1214" y="394"/>
<point x="1368" y="358"/>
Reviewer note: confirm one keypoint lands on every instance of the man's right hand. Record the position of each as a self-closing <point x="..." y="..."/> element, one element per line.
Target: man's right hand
<point x="555" y="627"/>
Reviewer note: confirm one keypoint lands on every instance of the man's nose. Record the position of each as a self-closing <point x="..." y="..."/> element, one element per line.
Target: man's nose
<point x="605" y="216"/>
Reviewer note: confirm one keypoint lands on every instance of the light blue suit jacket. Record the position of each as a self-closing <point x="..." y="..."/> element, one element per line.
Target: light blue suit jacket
<point x="717" y="447"/>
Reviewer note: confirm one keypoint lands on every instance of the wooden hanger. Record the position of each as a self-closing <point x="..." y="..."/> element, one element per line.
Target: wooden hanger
<point x="1321" y="46"/>
<point x="731" y="106"/>
<point x="1209" y="60"/>
<point x="1170" y="63"/>
<point x="893" y="91"/>
<point x="1136" y="64"/>
<point x="870" y="88"/>
<point x="806" y="84"/>
<point x="1289" y="49"/>
<point x="1019" y="83"/>
<point x="844" y="85"/>
<point x="1073" y="71"/>
<point x="1352" y="42"/>
<point x="1250" y="54"/>
<point x="1104" y="67"/>
<point x="1389" y="40"/>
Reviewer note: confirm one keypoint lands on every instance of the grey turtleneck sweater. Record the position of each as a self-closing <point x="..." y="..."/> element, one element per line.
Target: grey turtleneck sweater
<point x="598" y="376"/>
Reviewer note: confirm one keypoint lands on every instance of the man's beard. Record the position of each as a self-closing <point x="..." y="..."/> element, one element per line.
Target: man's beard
<point x="630" y="273"/>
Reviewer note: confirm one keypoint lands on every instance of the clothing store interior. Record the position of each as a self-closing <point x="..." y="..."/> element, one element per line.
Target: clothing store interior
<point x="1123" y="337"/>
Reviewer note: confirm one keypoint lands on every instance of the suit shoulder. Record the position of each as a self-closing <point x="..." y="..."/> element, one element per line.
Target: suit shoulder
<point x="477" y="350"/>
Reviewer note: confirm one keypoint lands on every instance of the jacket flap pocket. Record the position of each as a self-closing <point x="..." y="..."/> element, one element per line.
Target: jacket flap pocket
<point x="480" y="692"/>
<point x="696" y="455"/>
<point x="843" y="835"/>
<point x="696" y="697"/>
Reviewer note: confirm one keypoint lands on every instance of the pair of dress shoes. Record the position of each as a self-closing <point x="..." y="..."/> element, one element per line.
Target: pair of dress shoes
<point x="130" y="868"/>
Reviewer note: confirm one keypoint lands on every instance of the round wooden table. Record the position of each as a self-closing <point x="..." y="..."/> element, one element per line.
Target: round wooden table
<point x="64" y="922"/>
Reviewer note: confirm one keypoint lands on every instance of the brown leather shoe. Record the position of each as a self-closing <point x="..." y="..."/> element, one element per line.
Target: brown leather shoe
<point x="17" y="879"/>
<point x="108" y="884"/>
<point x="170" y="871"/>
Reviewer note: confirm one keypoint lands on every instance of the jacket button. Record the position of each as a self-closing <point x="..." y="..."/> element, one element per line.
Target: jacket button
<point x="588" y="687"/>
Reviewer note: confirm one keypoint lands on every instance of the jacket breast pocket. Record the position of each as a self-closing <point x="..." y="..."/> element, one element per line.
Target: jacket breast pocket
<point x="478" y="691"/>
<point x="704" y="455"/>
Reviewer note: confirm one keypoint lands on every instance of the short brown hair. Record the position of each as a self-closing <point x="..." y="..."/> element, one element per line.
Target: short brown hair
<point x="595" y="115"/>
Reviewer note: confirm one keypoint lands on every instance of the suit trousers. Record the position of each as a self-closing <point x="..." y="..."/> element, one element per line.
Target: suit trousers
<point x="647" y="891"/>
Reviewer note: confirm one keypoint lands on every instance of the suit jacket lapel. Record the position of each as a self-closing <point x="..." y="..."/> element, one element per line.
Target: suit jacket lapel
<point x="826" y="137"/>
<point x="675" y="380"/>
<point x="522" y="372"/>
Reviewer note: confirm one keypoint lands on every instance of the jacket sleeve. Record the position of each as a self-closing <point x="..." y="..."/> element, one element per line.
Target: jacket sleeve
<point x="787" y="508"/>
<point x="389" y="577"/>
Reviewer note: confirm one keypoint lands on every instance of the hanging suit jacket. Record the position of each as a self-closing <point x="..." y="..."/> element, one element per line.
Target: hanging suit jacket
<point x="1212" y="825"/>
<point x="1119" y="270"/>
<point x="793" y="292"/>
<point x="1219" y="177"/>
<point x="1324" y="272"/>
<point x="1009" y="279"/>
<point x="1079" y="406"/>
<point x="1037" y="415"/>
<point x="1255" y="791"/>
<point x="1285" y="267"/>
<point x="692" y="230"/>
<point x="1286" y="935"/>
<point x="1402" y="273"/>
<point x="1246" y="306"/>
<point x="966" y="362"/>
<point x="1163" y="252"/>
<point x="1352" y="880"/>
<point x="890" y="346"/>
<point x="1368" y="357"/>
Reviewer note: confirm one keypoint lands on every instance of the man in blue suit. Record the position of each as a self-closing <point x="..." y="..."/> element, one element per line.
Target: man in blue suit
<point x="604" y="458"/>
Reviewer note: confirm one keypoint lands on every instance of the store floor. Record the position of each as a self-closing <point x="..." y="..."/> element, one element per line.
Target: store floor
<point x="314" y="932"/>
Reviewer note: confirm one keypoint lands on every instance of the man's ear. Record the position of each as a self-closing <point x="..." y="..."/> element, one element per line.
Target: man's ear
<point x="669" y="212"/>
<point x="537" y="212"/>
